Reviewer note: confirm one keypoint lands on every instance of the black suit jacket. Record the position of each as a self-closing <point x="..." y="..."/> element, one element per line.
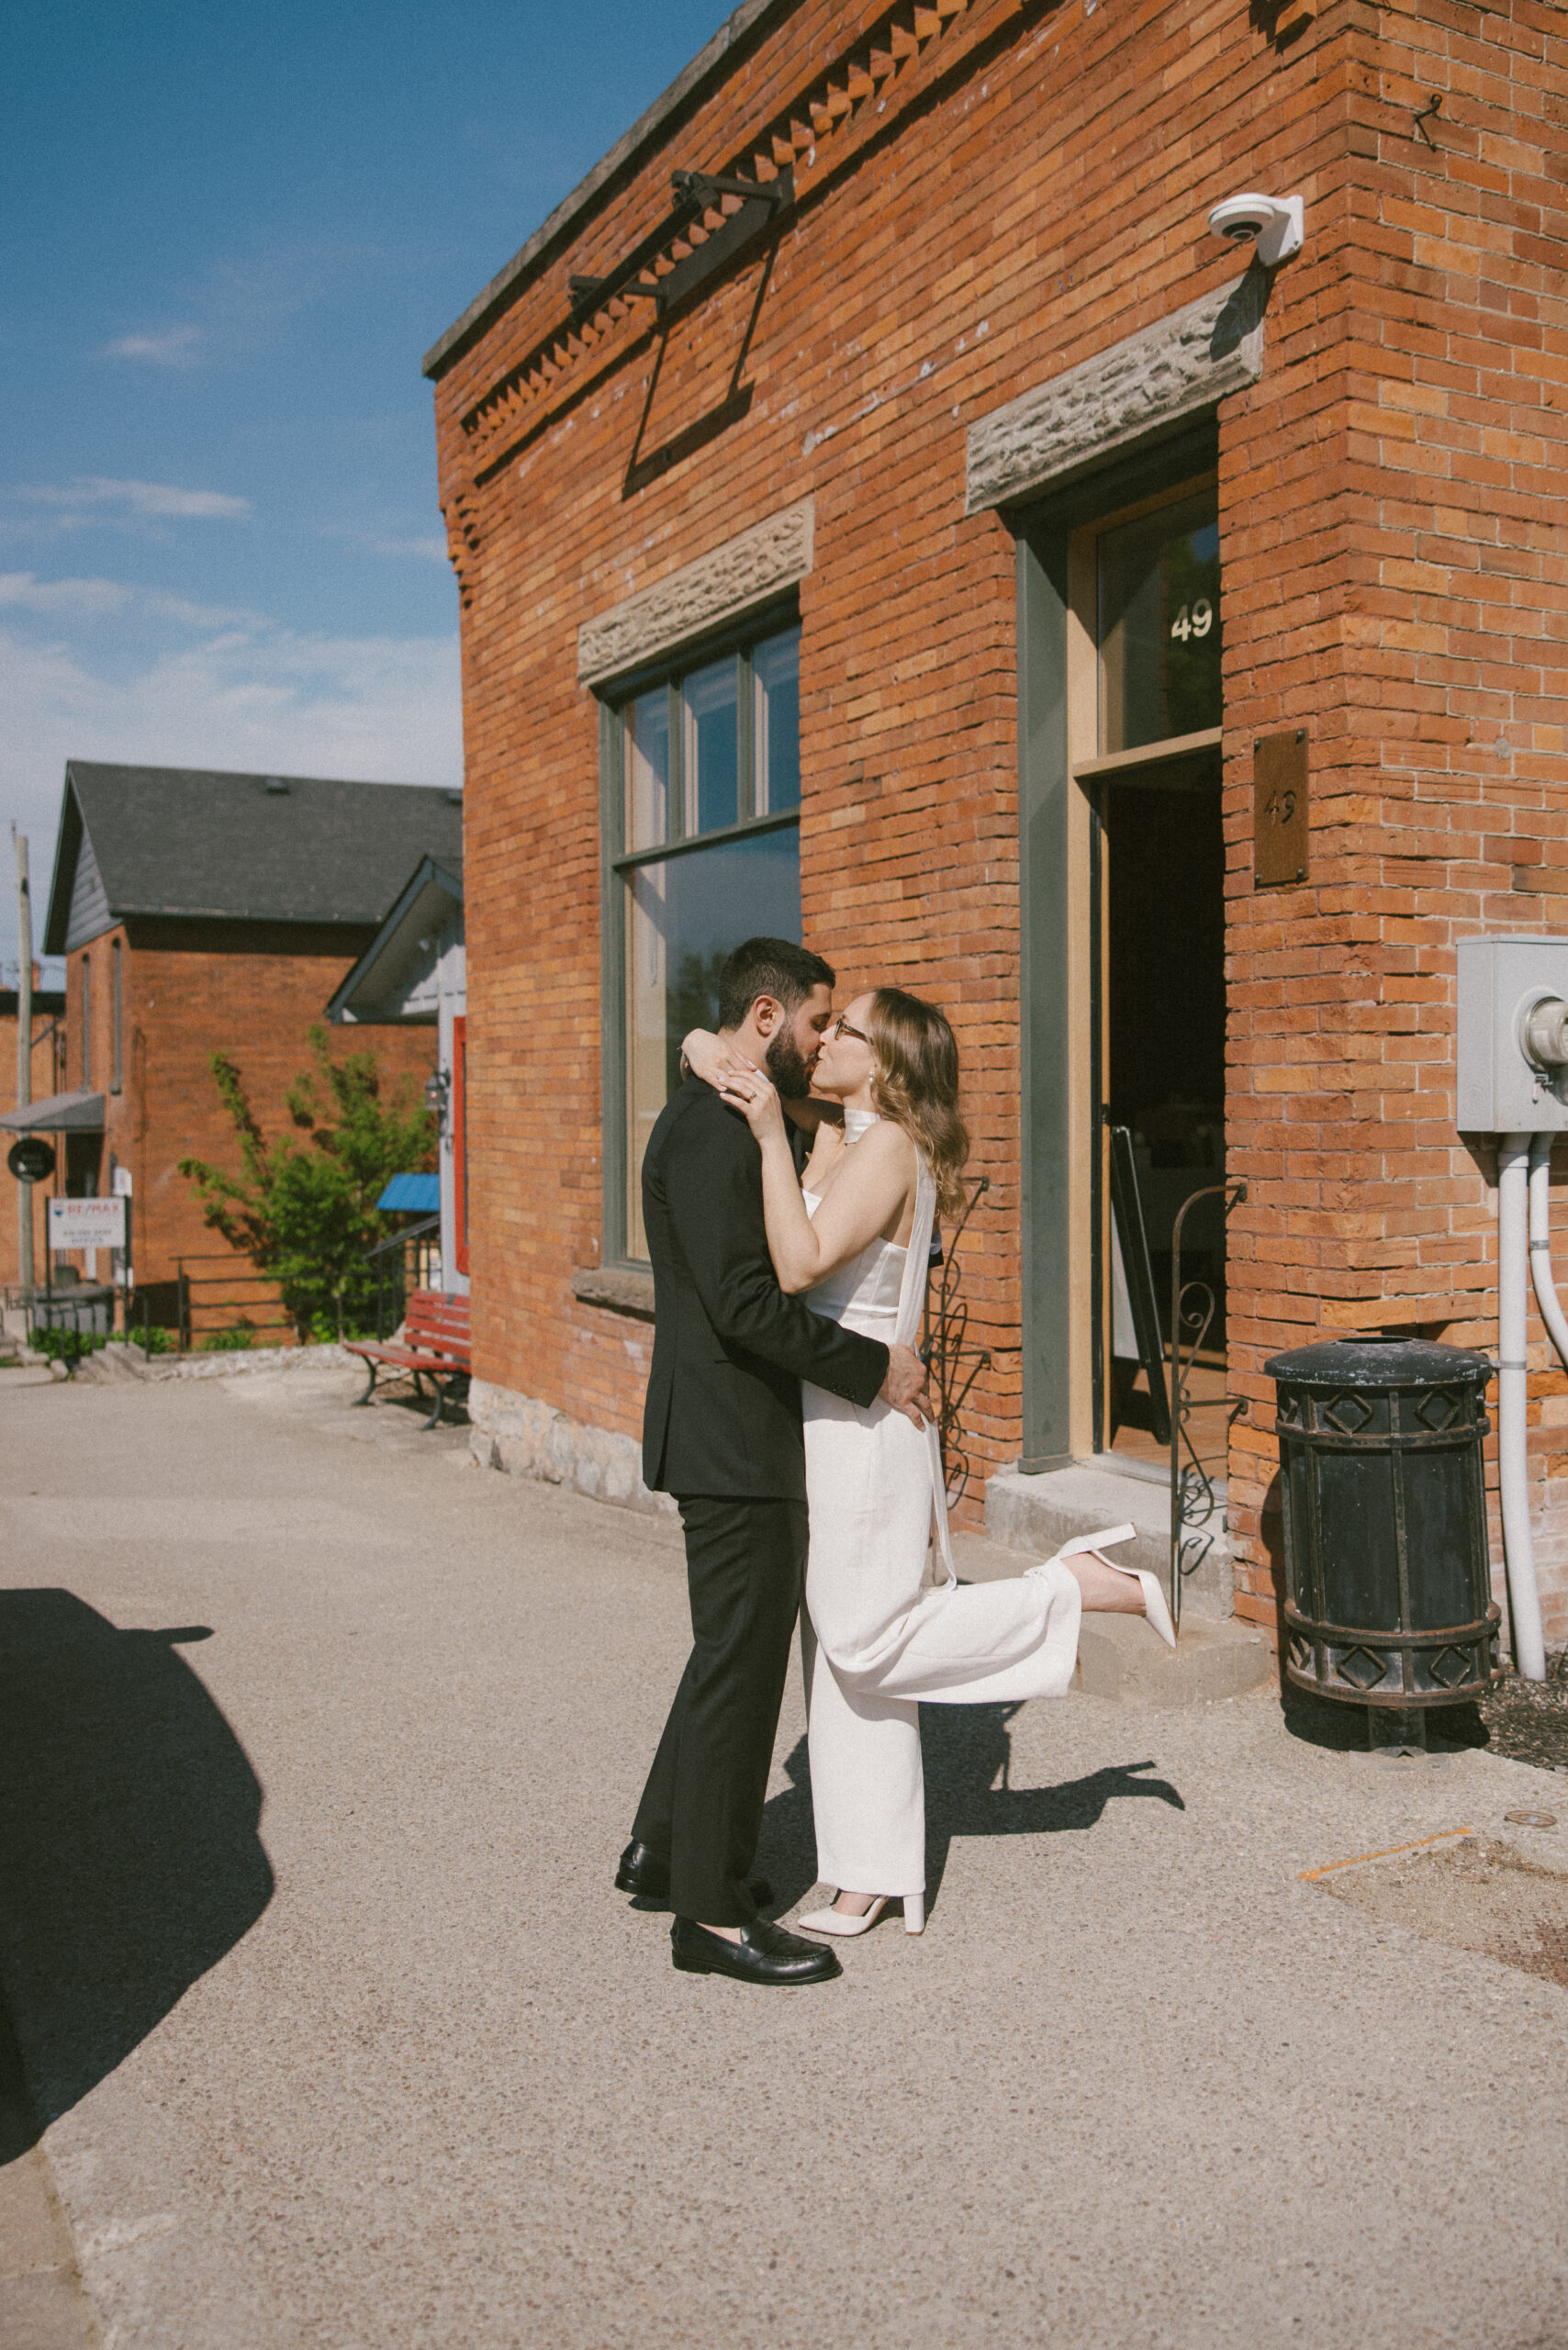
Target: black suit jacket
<point x="723" y="1415"/>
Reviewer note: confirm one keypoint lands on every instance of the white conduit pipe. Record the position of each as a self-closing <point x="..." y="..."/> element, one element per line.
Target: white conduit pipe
<point x="1514" y="1157"/>
<point x="1546" y="1295"/>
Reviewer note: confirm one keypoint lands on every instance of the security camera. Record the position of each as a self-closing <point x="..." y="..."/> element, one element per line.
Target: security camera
<point x="1275" y="221"/>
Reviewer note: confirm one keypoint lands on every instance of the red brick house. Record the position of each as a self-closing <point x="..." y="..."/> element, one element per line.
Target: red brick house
<point x="199" y="913"/>
<point x="47" y="1063"/>
<point x="881" y="501"/>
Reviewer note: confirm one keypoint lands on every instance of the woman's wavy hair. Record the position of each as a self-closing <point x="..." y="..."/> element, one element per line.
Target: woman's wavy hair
<point x="916" y="1085"/>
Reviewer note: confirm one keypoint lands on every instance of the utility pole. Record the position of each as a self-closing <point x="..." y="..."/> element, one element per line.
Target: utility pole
<point x="24" y="1047"/>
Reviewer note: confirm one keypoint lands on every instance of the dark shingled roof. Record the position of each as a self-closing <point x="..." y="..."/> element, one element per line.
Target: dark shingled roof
<point x="187" y="841"/>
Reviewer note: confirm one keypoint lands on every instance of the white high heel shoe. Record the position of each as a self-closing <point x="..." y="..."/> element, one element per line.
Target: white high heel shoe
<point x="841" y="1922"/>
<point x="1154" y="1606"/>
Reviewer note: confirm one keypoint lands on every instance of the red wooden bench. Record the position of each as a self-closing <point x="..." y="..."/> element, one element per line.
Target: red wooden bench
<point x="435" y="1346"/>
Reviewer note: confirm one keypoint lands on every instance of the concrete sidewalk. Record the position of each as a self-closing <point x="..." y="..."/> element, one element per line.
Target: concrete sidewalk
<point x="317" y="1757"/>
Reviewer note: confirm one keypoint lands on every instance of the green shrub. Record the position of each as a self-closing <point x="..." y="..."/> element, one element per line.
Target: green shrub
<point x="69" y="1347"/>
<point x="306" y="1215"/>
<point x="154" y="1340"/>
<point x="228" y="1342"/>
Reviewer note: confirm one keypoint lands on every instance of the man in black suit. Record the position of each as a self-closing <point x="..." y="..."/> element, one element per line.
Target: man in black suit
<point x="722" y="1431"/>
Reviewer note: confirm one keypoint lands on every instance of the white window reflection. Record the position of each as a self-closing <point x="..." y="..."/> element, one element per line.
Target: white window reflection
<point x="776" y="723"/>
<point x="710" y="746"/>
<point x="648" y="769"/>
<point x="684" y="918"/>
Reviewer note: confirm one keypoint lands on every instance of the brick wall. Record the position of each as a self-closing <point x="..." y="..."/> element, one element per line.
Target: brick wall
<point x="44" y="1083"/>
<point x="190" y="990"/>
<point x="987" y="195"/>
<point x="1400" y="587"/>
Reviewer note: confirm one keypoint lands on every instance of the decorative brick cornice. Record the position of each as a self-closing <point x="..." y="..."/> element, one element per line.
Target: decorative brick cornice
<point x="720" y="586"/>
<point x="812" y="136"/>
<point x="1142" y="385"/>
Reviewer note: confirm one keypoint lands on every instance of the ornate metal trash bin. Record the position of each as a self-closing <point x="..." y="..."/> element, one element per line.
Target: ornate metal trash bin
<point x="1388" y="1583"/>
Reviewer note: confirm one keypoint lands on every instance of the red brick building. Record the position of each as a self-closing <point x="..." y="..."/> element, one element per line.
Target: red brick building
<point x="1048" y="506"/>
<point x="47" y="1061"/>
<point x="202" y="913"/>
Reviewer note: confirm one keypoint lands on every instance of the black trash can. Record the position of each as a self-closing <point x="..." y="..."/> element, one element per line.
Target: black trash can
<point x="1388" y="1582"/>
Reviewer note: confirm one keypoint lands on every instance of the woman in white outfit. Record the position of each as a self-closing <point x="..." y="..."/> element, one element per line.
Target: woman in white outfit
<point x="853" y="1235"/>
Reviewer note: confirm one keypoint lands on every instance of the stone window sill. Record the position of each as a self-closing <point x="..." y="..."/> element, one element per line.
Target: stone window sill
<point x="624" y="1289"/>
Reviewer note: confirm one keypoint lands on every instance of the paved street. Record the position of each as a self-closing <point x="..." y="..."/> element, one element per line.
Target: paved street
<point x="319" y="1746"/>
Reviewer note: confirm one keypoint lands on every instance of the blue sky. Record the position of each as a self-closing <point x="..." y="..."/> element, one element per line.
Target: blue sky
<point x="230" y="236"/>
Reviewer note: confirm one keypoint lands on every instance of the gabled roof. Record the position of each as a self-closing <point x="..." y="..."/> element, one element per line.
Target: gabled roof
<point x="394" y="978"/>
<point x="193" y="842"/>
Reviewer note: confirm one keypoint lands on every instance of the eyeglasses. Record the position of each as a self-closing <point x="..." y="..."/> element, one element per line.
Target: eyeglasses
<point x="841" y="1027"/>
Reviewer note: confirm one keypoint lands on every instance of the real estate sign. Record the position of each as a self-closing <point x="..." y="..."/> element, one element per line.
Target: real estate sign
<point x="86" y="1224"/>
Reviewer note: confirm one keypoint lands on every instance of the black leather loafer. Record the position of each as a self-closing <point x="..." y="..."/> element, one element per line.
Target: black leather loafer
<point x="764" y="1953"/>
<point x="642" y="1872"/>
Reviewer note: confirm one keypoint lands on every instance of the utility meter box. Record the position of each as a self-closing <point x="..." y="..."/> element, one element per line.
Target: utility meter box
<point x="1513" y="1036"/>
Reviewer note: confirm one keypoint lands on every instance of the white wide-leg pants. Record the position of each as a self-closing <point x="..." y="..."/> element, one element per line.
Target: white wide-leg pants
<point x="882" y="1642"/>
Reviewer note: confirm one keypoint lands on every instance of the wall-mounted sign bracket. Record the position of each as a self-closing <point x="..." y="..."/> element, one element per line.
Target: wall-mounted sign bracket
<point x="695" y="192"/>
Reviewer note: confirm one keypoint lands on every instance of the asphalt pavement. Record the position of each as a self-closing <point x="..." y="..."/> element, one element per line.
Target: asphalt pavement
<point x="318" y="1744"/>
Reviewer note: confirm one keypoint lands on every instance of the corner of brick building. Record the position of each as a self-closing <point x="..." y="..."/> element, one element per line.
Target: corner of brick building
<point x="1425" y="668"/>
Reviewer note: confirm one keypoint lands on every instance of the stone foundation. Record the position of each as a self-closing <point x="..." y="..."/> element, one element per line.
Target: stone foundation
<point x="526" y="1438"/>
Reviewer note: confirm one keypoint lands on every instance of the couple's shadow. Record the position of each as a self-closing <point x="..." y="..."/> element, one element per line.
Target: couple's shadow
<point x="968" y="1756"/>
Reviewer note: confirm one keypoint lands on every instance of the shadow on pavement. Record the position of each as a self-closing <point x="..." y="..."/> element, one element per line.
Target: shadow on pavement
<point x="966" y="1750"/>
<point x="129" y="1849"/>
<point x="1343" y="1728"/>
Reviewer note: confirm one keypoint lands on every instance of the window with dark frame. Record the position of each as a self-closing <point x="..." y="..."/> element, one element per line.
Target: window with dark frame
<point x="86" y="1021"/>
<point x="702" y="793"/>
<point x="116" y="1019"/>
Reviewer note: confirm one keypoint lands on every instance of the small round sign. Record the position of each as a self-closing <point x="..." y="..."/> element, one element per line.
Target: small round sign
<point x="1533" y="1818"/>
<point x="30" y="1160"/>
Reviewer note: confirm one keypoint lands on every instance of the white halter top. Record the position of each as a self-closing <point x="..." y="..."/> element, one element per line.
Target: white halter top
<point x="881" y="1294"/>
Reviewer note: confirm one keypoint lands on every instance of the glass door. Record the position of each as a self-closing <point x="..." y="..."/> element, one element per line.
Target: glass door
<point x="1157" y="957"/>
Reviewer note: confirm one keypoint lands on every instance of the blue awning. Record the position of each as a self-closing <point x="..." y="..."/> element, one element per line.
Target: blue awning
<point x="411" y="1196"/>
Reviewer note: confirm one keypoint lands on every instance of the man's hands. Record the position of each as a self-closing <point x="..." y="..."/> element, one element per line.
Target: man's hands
<point x="904" y="1386"/>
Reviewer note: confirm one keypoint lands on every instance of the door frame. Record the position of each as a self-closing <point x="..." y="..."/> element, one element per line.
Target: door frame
<point x="1058" y="935"/>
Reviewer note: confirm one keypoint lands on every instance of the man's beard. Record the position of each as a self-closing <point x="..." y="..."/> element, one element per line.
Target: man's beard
<point x="791" y="1072"/>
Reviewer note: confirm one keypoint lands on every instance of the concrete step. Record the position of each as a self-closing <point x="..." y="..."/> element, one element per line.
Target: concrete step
<point x="1120" y="1658"/>
<point x="1039" y="1513"/>
<point x="113" y="1365"/>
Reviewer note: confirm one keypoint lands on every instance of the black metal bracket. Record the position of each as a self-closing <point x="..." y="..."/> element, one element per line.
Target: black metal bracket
<point x="1191" y="1490"/>
<point x="695" y="192"/>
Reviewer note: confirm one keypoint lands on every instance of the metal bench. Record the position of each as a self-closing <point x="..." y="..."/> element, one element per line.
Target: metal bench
<point x="435" y="1346"/>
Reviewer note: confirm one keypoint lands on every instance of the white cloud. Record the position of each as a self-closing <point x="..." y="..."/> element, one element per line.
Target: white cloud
<point x="265" y="699"/>
<point x="423" y="550"/>
<point x="394" y="546"/>
<point x="109" y="598"/>
<point x="175" y="347"/>
<point x="92" y="492"/>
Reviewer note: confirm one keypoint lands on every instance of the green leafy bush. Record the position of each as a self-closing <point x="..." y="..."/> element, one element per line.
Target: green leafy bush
<point x="228" y="1342"/>
<point x="304" y="1215"/>
<point x="69" y="1347"/>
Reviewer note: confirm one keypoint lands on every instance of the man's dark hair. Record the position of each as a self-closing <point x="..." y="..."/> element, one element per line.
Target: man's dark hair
<point x="768" y="967"/>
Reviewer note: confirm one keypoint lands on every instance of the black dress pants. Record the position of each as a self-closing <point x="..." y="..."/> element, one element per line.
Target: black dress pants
<point x="745" y="1569"/>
